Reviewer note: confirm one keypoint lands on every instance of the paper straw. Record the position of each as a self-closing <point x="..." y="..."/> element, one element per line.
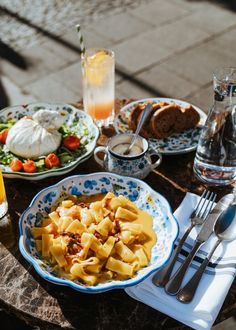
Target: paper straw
<point x="81" y="39"/>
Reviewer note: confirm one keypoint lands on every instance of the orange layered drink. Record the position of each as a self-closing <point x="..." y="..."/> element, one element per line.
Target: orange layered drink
<point x="98" y="66"/>
<point x="3" y="200"/>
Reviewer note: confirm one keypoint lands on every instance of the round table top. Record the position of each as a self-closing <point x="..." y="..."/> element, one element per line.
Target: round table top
<point x="26" y="295"/>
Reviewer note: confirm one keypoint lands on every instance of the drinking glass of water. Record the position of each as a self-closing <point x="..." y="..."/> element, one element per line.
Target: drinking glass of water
<point x="215" y="161"/>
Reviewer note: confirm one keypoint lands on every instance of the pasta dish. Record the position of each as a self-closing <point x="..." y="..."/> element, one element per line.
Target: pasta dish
<point x="93" y="239"/>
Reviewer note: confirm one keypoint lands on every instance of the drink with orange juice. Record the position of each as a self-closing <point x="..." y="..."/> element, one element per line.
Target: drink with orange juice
<point x="98" y="70"/>
<point x="3" y="199"/>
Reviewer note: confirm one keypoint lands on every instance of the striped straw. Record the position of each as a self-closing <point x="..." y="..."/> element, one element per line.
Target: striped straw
<point x="81" y="39"/>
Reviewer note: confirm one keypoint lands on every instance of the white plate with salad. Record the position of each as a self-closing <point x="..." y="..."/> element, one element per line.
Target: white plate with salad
<point x="41" y="140"/>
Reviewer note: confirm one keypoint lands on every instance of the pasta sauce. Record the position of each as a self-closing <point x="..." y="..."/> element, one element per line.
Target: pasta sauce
<point x="93" y="239"/>
<point x="143" y="218"/>
<point x="146" y="220"/>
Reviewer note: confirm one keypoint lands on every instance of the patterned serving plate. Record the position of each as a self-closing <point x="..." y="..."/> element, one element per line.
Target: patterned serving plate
<point x="85" y="123"/>
<point x="178" y="143"/>
<point x="139" y="192"/>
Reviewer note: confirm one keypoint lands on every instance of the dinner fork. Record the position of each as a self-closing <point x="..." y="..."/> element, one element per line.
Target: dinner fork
<point x="198" y="216"/>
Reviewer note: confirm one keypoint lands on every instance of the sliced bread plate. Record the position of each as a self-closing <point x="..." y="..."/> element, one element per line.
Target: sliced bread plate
<point x="177" y="143"/>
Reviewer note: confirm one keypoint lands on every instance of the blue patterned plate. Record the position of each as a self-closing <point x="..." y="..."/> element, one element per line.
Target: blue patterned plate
<point x="140" y="193"/>
<point x="79" y="121"/>
<point x="178" y="143"/>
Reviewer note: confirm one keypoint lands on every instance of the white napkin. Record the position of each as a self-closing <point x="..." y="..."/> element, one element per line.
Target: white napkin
<point x="216" y="281"/>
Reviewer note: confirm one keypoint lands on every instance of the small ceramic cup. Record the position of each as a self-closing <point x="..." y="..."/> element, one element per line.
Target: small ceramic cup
<point x="138" y="166"/>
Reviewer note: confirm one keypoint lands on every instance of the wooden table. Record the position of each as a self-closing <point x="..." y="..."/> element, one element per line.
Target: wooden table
<point x="26" y="295"/>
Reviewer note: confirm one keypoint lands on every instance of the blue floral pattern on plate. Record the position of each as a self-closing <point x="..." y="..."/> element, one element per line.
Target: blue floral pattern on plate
<point x="136" y="190"/>
<point x="178" y="143"/>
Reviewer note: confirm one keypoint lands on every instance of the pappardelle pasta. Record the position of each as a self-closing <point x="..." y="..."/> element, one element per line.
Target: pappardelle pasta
<point x="96" y="238"/>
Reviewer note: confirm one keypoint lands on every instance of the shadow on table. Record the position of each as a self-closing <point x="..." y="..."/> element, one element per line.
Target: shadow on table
<point x="12" y="322"/>
<point x="110" y="310"/>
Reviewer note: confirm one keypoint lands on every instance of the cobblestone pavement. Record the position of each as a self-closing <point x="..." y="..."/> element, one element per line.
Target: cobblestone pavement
<point x="55" y="16"/>
<point x="162" y="47"/>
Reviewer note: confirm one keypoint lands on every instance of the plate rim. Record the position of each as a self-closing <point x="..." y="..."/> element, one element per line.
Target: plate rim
<point x="202" y="114"/>
<point x="57" y="171"/>
<point x="93" y="289"/>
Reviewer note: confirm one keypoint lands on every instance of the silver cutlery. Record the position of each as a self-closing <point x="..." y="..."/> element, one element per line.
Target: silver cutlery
<point x="197" y="218"/>
<point x="173" y="285"/>
<point x="224" y="229"/>
<point x="147" y="110"/>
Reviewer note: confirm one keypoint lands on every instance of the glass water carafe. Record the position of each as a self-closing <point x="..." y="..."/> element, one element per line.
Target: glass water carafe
<point x="215" y="161"/>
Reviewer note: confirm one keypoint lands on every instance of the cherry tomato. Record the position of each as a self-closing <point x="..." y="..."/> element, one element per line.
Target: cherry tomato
<point x="3" y="136"/>
<point x="71" y="142"/>
<point x="29" y="166"/>
<point x="51" y="161"/>
<point x="16" y="165"/>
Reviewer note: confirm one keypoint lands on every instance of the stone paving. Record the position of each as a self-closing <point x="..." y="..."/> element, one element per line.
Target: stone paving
<point x="54" y="16"/>
<point x="162" y="47"/>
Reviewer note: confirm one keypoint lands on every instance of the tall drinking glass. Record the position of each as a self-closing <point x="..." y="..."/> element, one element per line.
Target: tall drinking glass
<point x="3" y="199"/>
<point x="98" y="72"/>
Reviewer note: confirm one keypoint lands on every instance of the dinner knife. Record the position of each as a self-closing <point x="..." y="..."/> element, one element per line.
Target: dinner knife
<point x="173" y="285"/>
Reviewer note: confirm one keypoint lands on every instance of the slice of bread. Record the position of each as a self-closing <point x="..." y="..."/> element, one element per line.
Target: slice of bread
<point x="164" y="120"/>
<point x="134" y="115"/>
<point x="145" y="131"/>
<point x="192" y="117"/>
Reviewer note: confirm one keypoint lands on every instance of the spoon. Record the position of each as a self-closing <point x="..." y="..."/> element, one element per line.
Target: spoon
<point x="224" y="229"/>
<point x="144" y="116"/>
